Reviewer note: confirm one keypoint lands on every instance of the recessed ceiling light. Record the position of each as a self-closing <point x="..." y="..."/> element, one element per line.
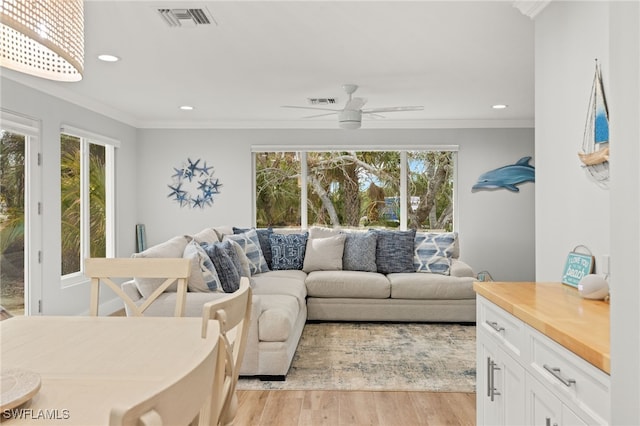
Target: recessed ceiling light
<point x="186" y="107"/>
<point x="108" y="58"/>
<point x="499" y="106"/>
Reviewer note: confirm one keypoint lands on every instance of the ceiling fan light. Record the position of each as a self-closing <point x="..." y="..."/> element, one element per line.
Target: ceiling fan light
<point x="350" y="119"/>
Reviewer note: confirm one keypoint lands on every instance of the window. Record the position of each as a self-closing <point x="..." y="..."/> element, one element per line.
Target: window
<point x="412" y="188"/>
<point x="87" y="200"/>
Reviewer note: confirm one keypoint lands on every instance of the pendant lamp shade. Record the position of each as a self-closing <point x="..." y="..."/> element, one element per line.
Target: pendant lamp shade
<point x="43" y="38"/>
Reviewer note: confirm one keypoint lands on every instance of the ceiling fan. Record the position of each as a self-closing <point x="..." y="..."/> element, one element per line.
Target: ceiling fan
<point x="350" y="117"/>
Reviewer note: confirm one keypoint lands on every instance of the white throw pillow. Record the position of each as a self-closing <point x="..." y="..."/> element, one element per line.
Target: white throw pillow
<point x="207" y="235"/>
<point x="173" y="248"/>
<point x="324" y="254"/>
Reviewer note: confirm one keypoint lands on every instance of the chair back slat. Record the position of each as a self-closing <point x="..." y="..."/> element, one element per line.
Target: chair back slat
<point x="179" y="402"/>
<point x="233" y="314"/>
<point x="102" y="270"/>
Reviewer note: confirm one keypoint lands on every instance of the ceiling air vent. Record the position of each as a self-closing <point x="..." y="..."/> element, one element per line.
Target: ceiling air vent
<point x="322" y="101"/>
<point x="188" y="18"/>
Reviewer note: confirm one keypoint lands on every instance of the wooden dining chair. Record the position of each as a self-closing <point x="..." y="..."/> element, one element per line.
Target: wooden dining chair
<point x="169" y="269"/>
<point x="178" y="403"/>
<point x="233" y="313"/>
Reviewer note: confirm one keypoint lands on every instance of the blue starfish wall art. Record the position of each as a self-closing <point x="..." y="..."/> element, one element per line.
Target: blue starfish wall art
<point x="193" y="185"/>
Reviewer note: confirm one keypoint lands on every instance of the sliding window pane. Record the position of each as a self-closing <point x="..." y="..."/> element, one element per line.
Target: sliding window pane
<point x="430" y="190"/>
<point x="353" y="189"/>
<point x="70" y="190"/>
<point x="278" y="192"/>
<point x="97" y="201"/>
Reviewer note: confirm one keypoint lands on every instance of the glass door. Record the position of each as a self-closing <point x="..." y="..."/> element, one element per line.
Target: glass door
<point x="19" y="210"/>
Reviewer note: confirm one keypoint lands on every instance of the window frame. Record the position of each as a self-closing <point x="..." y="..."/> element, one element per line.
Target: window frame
<point x="404" y="170"/>
<point x="110" y="145"/>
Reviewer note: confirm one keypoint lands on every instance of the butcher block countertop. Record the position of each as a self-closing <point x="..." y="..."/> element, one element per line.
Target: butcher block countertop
<point x="557" y="311"/>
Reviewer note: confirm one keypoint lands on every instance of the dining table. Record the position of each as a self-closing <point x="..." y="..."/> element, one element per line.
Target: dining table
<point x="76" y="369"/>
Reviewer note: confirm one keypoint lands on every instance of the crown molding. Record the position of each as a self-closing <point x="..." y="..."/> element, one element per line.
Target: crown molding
<point x="530" y="8"/>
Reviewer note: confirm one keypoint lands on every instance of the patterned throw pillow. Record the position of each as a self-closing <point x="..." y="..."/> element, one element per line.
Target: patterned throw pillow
<point x="203" y="277"/>
<point x="287" y="250"/>
<point x="360" y="252"/>
<point x="225" y="260"/>
<point x="241" y="260"/>
<point x="433" y="252"/>
<point x="263" y="237"/>
<point x="394" y="250"/>
<point x="251" y="245"/>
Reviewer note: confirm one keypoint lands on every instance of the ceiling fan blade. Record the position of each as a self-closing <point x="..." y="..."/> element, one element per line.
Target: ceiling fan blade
<point x="373" y="115"/>
<point x="393" y="109"/>
<point x="355" y="104"/>
<point x="305" y="107"/>
<point x="322" y="115"/>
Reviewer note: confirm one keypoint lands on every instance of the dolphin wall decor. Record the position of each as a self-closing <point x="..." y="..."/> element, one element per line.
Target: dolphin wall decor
<point x="507" y="176"/>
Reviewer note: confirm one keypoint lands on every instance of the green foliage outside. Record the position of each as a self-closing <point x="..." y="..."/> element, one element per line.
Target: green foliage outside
<point x="12" y="181"/>
<point x="70" y="180"/>
<point x="355" y="189"/>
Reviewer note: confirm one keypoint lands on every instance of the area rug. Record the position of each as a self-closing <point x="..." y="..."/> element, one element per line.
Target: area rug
<point x="380" y="356"/>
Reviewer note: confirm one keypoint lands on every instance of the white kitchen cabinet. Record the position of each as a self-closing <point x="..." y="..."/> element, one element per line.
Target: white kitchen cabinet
<point x="526" y="378"/>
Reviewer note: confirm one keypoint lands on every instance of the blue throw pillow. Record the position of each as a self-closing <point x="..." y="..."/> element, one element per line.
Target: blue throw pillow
<point x="226" y="263"/>
<point x="263" y="238"/>
<point x="251" y="246"/>
<point x="433" y="252"/>
<point x="394" y="250"/>
<point x="288" y="251"/>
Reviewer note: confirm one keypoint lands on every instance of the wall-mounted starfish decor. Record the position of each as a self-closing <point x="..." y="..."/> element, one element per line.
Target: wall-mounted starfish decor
<point x="194" y="185"/>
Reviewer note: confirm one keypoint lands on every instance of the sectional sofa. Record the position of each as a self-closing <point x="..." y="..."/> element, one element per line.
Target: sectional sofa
<point x="317" y="274"/>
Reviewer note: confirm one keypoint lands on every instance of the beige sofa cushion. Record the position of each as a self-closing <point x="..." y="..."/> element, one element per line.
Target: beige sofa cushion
<point x="169" y="249"/>
<point x="358" y="284"/>
<point x="271" y="283"/>
<point x="279" y="313"/>
<point x="430" y="286"/>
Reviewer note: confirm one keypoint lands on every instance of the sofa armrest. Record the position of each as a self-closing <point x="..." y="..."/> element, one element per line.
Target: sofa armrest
<point x="460" y="269"/>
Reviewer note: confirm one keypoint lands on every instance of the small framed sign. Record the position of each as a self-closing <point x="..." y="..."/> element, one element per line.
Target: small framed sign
<point x="577" y="266"/>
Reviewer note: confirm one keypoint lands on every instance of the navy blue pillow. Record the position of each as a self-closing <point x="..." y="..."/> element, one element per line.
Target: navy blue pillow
<point x="288" y="251"/>
<point x="394" y="250"/>
<point x="227" y="264"/>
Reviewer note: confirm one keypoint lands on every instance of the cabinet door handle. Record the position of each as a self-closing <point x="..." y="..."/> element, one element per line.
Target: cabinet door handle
<point x="489" y="384"/>
<point x="493" y="380"/>
<point x="494" y="325"/>
<point x="555" y="372"/>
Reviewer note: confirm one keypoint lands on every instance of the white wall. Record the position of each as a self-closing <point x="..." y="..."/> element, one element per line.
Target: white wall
<point x="53" y="112"/>
<point x="570" y="208"/>
<point x="496" y="227"/>
<point x="625" y="212"/>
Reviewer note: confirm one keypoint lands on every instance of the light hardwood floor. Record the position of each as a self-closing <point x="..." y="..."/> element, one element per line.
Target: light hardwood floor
<point x="354" y="408"/>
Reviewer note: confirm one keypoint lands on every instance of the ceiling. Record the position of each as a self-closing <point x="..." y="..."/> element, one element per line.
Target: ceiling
<point x="456" y="58"/>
